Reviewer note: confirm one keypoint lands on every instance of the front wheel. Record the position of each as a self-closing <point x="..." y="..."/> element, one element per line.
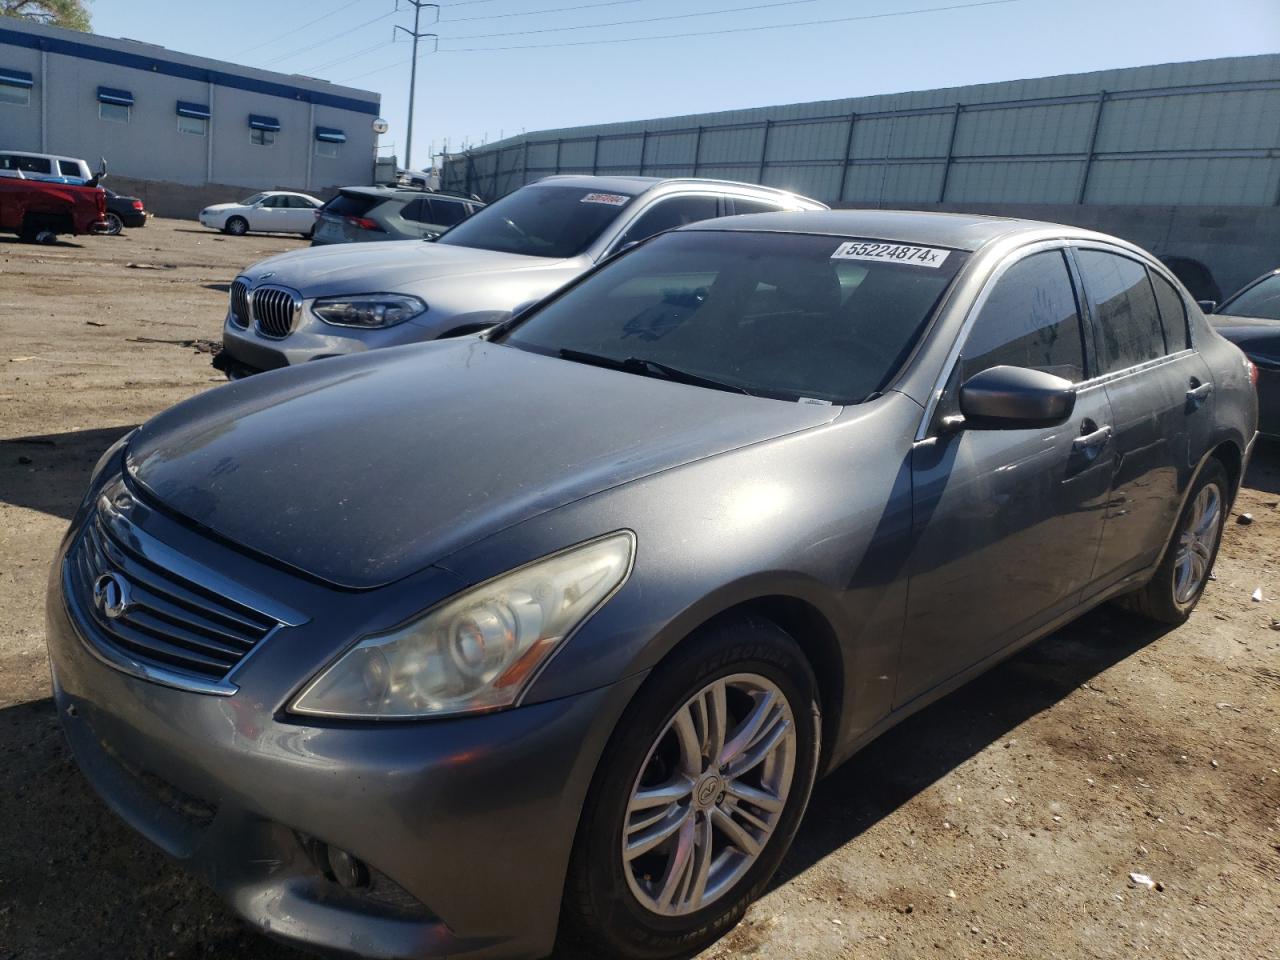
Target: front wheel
<point x="237" y="226"/>
<point x="699" y="794"/>
<point x="1184" y="570"/>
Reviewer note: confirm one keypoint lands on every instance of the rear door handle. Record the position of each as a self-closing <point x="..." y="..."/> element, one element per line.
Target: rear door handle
<point x="1090" y="440"/>
<point x="1199" y="394"/>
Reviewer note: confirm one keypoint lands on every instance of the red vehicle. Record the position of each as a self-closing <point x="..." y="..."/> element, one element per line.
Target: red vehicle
<point x="37" y="211"/>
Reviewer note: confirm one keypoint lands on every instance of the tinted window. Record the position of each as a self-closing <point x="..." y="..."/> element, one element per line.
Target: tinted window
<point x="417" y="211"/>
<point x="447" y="212"/>
<point x="69" y="168"/>
<point x="773" y="314"/>
<point x="1126" y="321"/>
<point x="741" y="206"/>
<point x="669" y="214"/>
<point x="1260" y="300"/>
<point x="1030" y="319"/>
<point x="541" y="221"/>
<point x="1173" y="313"/>
<point x="16" y="161"/>
<point x="351" y="205"/>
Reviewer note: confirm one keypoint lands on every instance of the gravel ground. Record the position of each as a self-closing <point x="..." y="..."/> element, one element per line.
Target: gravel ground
<point x="1003" y="821"/>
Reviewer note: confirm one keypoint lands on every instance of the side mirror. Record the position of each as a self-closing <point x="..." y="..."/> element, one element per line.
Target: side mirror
<point x="1207" y="306"/>
<point x="1016" y="397"/>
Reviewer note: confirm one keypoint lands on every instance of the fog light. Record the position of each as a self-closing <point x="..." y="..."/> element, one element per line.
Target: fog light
<point x="348" y="870"/>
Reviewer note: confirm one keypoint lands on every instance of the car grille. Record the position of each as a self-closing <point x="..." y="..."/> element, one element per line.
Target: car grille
<point x="274" y="311"/>
<point x="240" y="303"/>
<point x="171" y="622"/>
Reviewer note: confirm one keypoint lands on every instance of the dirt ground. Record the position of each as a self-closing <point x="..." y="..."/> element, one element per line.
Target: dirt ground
<point x="1003" y="821"/>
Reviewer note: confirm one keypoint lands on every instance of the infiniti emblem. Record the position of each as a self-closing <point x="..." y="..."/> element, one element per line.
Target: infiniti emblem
<point x="111" y="595"/>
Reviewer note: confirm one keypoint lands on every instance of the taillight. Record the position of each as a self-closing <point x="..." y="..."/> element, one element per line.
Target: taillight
<point x="137" y="204"/>
<point x="364" y="223"/>
<point x="1253" y="371"/>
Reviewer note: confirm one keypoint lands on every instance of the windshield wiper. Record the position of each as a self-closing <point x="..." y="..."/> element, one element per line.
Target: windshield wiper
<point x="651" y="368"/>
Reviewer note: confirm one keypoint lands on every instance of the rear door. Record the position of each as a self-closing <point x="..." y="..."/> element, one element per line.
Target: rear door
<point x="1161" y="395"/>
<point x="1007" y="521"/>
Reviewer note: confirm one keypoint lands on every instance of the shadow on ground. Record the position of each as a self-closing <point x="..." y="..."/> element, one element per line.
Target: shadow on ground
<point x="50" y="472"/>
<point x="56" y="243"/>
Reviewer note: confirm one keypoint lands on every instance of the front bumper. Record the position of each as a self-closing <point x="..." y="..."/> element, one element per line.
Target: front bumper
<point x="312" y="339"/>
<point x="466" y="824"/>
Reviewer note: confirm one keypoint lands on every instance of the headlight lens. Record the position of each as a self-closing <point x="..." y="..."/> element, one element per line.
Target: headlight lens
<point x="372" y="310"/>
<point x="477" y="651"/>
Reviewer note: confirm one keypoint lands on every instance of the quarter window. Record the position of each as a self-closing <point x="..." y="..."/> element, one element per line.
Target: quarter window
<point x="115" y="112"/>
<point x="1173" y="313"/>
<point x="69" y="168"/>
<point x="669" y="214"/>
<point x="1030" y="319"/>
<point x="741" y="206"/>
<point x="1126" y="319"/>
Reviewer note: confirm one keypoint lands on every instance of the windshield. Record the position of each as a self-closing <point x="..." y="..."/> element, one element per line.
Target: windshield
<point x="256" y="198"/>
<point x="795" y="317"/>
<point x="1261" y="300"/>
<point x="541" y="221"/>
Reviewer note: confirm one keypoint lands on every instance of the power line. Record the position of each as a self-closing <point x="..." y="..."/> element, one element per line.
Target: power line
<point x="620" y="23"/>
<point x="346" y="32"/>
<point x="714" y="33"/>
<point x="535" y="13"/>
<point x="346" y="57"/>
<point x="284" y="36"/>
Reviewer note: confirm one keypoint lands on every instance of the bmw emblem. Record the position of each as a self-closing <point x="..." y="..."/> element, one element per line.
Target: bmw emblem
<point x="266" y="276"/>
<point x="111" y="595"/>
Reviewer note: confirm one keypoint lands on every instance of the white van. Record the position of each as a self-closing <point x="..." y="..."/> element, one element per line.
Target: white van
<point x="44" y="166"/>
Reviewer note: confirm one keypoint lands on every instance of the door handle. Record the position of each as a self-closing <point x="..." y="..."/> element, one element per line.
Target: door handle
<point x="1198" y="394"/>
<point x="1091" y="440"/>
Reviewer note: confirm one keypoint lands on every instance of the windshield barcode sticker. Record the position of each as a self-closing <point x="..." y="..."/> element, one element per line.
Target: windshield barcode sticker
<point x="612" y="199"/>
<point x="891" y="252"/>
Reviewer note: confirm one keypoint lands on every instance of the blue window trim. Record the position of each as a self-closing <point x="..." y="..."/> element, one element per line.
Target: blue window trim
<point x="16" y="78"/>
<point x="198" y="111"/>
<point x="330" y="135"/>
<point x="113" y="95"/>
<point x="168" y="68"/>
<point x="258" y="122"/>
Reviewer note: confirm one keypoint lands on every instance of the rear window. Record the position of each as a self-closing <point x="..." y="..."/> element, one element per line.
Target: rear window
<point x="1261" y="300"/>
<point x="351" y="205"/>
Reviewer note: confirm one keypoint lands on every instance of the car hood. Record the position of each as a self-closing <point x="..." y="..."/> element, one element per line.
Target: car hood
<point x="386" y="266"/>
<point x="222" y="207"/>
<point x="1258" y="337"/>
<point x="362" y="470"/>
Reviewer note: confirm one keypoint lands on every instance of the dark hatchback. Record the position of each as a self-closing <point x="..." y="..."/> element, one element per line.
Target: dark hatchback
<point x="448" y="649"/>
<point x="1250" y="319"/>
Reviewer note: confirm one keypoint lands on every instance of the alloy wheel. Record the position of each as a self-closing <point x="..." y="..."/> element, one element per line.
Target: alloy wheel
<point x="1196" y="543"/>
<point x="115" y="226"/>
<point x="710" y="794"/>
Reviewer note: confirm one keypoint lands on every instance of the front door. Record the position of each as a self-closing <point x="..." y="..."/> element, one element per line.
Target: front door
<point x="1160" y="392"/>
<point x="1007" y="521"/>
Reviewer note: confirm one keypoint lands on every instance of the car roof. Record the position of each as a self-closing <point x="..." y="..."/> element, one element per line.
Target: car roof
<point x="639" y="185"/>
<point x="406" y="193"/>
<point x="959" y="231"/>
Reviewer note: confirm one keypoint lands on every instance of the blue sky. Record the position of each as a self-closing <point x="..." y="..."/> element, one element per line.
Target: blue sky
<point x="464" y="97"/>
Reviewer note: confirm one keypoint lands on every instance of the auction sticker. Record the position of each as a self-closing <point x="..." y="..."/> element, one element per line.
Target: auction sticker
<point x="612" y="199"/>
<point x="891" y="253"/>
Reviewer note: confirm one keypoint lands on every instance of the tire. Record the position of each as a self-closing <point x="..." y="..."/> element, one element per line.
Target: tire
<point x="236" y="226"/>
<point x="611" y="900"/>
<point x="115" y="226"/>
<point x="1167" y="598"/>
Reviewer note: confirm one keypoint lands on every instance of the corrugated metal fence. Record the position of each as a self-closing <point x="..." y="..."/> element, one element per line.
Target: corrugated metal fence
<point x="1207" y="133"/>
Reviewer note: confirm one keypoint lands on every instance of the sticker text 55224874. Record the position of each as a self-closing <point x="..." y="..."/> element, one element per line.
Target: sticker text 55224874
<point x="891" y="253"/>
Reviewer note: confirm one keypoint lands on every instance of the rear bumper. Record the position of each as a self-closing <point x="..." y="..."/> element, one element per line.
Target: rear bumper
<point x="465" y="825"/>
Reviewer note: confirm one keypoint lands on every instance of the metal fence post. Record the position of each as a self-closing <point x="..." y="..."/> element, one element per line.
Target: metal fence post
<point x="524" y="163"/>
<point x="644" y="145"/>
<point x="697" y="151"/>
<point x="595" y="156"/>
<point x="497" y="165"/>
<point x="1093" y="144"/>
<point x="844" y="163"/>
<point x="764" y="151"/>
<point x="558" y="143"/>
<point x="951" y="147"/>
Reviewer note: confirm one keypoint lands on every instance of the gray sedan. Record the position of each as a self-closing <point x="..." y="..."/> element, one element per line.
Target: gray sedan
<point x="417" y="654"/>
<point x="348" y="298"/>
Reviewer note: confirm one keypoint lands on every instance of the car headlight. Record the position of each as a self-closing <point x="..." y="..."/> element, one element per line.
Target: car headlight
<point x="477" y="651"/>
<point x="370" y="310"/>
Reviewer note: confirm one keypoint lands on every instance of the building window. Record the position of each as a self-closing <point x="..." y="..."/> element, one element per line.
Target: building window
<point x="326" y="149"/>
<point x="115" y="112"/>
<point x="263" y="138"/>
<point x="194" y="125"/>
<point x="19" y="96"/>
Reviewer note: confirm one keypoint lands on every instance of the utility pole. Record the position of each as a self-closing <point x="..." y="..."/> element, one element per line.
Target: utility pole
<point x="417" y="34"/>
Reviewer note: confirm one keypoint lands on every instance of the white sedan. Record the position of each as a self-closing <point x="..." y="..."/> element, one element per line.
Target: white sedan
<point x="271" y="212"/>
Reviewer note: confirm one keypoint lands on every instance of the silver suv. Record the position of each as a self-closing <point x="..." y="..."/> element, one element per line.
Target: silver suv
<point x="348" y="298"/>
<point x="371" y="214"/>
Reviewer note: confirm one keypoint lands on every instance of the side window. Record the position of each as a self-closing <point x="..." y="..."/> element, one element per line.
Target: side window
<point x="1125" y="317"/>
<point x="447" y="212"/>
<point x="1173" y="313"/>
<point x="1030" y="319"/>
<point x="273" y="202"/>
<point x="668" y="214"/>
<point x="741" y="206"/>
<point x="68" y="168"/>
<point x="417" y="211"/>
<point x="30" y="164"/>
